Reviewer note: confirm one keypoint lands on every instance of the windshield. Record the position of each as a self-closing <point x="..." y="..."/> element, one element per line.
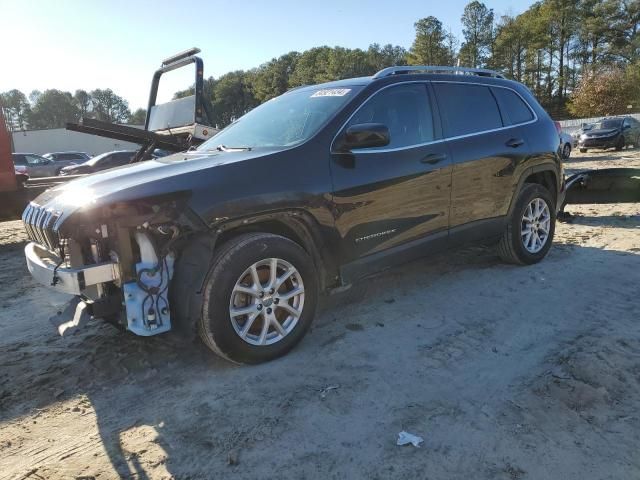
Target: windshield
<point x="284" y="121"/>
<point x="603" y="124"/>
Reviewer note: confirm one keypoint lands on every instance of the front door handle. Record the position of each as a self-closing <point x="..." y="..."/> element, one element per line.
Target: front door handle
<point x="434" y="158"/>
<point x="515" y="143"/>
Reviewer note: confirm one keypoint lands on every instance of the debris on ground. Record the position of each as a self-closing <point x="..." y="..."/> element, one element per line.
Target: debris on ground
<point x="324" y="391"/>
<point x="232" y="458"/>
<point x="406" y="438"/>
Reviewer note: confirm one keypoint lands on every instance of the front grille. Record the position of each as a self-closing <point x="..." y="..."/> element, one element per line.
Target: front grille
<point x="38" y="222"/>
<point x="595" y="142"/>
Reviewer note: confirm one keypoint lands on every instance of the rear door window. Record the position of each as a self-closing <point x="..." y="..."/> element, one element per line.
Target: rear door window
<point x="404" y="109"/>
<point x="512" y="104"/>
<point x="34" y="160"/>
<point x="467" y="108"/>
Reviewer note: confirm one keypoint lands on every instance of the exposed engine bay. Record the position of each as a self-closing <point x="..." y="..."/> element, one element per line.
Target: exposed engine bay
<point x="112" y="257"/>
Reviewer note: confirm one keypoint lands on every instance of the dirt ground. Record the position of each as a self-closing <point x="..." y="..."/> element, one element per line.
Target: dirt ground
<point x="506" y="372"/>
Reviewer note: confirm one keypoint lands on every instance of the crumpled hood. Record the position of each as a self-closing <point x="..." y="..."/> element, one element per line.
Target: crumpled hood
<point x="166" y="175"/>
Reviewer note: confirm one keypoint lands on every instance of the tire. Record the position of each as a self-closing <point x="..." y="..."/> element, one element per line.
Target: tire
<point x="230" y="265"/>
<point x="566" y="151"/>
<point x="621" y="143"/>
<point x="583" y="150"/>
<point x="511" y="247"/>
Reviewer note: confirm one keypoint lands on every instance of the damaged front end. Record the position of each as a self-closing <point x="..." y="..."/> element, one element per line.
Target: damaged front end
<point x="609" y="185"/>
<point x="118" y="258"/>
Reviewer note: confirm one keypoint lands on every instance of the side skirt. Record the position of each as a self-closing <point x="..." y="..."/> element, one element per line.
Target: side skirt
<point x="391" y="257"/>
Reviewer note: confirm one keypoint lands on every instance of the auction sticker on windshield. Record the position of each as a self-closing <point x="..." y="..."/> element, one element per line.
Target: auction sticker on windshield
<point x="331" y="92"/>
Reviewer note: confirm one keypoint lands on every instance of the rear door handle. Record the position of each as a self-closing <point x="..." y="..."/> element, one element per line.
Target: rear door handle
<point x="515" y="143"/>
<point x="434" y="158"/>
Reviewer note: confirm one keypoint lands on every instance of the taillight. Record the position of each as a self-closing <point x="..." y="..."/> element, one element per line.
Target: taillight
<point x="558" y="127"/>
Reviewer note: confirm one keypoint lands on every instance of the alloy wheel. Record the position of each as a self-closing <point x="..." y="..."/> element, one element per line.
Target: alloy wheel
<point x="267" y="301"/>
<point x="536" y="223"/>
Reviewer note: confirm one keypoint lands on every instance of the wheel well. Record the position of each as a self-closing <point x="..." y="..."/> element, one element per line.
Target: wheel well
<point x="294" y="230"/>
<point x="545" y="178"/>
<point x="268" y="226"/>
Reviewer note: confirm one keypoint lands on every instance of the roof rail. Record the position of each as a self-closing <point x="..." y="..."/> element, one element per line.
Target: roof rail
<point x="385" y="72"/>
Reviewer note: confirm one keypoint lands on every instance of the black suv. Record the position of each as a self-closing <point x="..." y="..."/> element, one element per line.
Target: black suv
<point x="302" y="195"/>
<point x="616" y="132"/>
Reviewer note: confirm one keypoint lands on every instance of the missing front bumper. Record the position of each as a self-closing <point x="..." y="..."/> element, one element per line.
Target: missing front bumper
<point x="43" y="266"/>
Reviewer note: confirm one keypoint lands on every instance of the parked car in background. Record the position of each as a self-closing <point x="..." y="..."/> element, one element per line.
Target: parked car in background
<point x="576" y="135"/>
<point x="34" y="165"/>
<point x="64" y="159"/>
<point x="100" y="162"/>
<point x="566" y="142"/>
<point x="617" y="132"/>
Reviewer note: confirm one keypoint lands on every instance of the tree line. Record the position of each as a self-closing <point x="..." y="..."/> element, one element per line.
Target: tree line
<point x="579" y="57"/>
<point x="54" y="108"/>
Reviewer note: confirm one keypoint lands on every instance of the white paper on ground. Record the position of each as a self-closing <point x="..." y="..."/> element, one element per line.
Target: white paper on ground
<point x="405" y="438"/>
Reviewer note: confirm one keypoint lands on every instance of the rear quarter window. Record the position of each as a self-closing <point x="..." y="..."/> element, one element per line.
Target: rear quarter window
<point x="467" y="109"/>
<point x="513" y="106"/>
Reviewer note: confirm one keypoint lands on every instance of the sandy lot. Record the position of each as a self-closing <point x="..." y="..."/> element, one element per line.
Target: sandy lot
<point x="506" y="372"/>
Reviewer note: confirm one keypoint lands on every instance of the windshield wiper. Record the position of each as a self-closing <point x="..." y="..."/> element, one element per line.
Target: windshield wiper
<point x="224" y="148"/>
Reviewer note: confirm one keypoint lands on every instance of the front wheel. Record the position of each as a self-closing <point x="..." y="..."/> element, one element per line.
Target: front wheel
<point x="566" y="150"/>
<point x="529" y="232"/>
<point x="583" y="150"/>
<point x="259" y="298"/>
<point x="621" y="143"/>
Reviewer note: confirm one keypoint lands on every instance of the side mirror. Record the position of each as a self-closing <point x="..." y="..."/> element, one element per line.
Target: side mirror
<point x="365" y="135"/>
<point x="626" y="127"/>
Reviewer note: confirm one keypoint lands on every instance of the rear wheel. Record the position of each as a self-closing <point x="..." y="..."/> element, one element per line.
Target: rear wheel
<point x="583" y="150"/>
<point x="621" y="143"/>
<point x="259" y="298"/>
<point x="529" y="232"/>
<point x="566" y="150"/>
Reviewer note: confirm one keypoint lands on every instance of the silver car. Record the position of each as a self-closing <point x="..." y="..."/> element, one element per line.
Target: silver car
<point x="64" y="159"/>
<point x="35" y="166"/>
<point x="566" y="143"/>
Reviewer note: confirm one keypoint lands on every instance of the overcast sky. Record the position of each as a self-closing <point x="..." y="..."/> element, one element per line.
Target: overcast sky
<point x="117" y="44"/>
